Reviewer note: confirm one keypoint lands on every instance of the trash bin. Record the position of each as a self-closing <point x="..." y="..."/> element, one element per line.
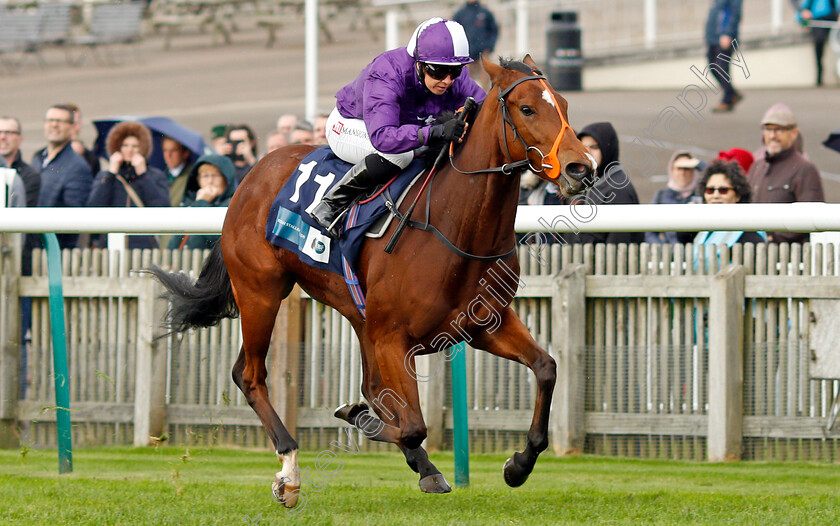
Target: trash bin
<point x="565" y="60"/>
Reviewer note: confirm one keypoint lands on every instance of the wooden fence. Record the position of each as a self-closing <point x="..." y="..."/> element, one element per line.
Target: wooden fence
<point x="661" y="352"/>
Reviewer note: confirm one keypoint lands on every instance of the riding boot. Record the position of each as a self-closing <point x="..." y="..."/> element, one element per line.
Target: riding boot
<point x="373" y="170"/>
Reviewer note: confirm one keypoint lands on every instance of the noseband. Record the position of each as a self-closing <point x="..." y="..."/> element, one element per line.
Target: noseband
<point x="552" y="167"/>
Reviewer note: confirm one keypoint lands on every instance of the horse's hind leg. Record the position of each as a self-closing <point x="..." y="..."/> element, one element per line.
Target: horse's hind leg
<point x="513" y="341"/>
<point x="259" y="300"/>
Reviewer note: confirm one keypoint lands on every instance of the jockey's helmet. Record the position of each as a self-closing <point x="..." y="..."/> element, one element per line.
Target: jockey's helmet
<point x="439" y="41"/>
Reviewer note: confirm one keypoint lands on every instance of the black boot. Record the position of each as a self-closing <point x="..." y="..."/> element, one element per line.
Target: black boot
<point x="373" y="170"/>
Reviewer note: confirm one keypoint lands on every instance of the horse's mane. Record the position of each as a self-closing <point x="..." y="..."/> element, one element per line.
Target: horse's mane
<point x="516" y="65"/>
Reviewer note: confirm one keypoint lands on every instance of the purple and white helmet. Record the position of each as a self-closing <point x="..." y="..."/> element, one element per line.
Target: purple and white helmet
<point x="439" y="41"/>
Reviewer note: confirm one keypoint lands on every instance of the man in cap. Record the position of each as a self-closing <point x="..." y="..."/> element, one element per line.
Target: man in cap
<point x="783" y="175"/>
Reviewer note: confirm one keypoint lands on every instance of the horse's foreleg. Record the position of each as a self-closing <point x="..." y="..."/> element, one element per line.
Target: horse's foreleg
<point x="249" y="374"/>
<point x="512" y="340"/>
<point x="392" y="393"/>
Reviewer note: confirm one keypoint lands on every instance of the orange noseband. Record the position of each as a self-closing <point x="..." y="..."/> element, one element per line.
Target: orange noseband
<point x="551" y="159"/>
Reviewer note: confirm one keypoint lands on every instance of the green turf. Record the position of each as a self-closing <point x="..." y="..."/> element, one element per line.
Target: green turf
<point x="227" y="486"/>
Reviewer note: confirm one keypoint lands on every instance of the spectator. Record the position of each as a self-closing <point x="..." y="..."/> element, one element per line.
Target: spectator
<point x="321" y="129"/>
<point x="612" y="185"/>
<point x="286" y="122"/>
<point x="482" y="32"/>
<point x="11" y="137"/>
<point x="211" y="183"/>
<point x="721" y="31"/>
<point x="78" y="145"/>
<point x="724" y="182"/>
<point x="178" y="167"/>
<point x="783" y="175"/>
<point x="129" y="180"/>
<point x="302" y="134"/>
<point x="218" y="137"/>
<point x="241" y="148"/>
<point x="65" y="176"/>
<point x="819" y="10"/>
<point x="682" y="178"/>
<point x="738" y="155"/>
<point x="275" y="141"/>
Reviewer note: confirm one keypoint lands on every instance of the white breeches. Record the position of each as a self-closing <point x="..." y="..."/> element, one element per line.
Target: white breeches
<point x="349" y="139"/>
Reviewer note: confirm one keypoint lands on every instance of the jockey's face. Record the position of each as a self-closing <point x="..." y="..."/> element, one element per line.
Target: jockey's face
<point x="438" y="87"/>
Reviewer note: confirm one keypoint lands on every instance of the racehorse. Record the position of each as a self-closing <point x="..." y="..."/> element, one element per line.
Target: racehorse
<point x="416" y="293"/>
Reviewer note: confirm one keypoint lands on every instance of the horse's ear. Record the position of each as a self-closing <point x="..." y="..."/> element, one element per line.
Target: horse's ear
<point x="491" y="68"/>
<point x="530" y="62"/>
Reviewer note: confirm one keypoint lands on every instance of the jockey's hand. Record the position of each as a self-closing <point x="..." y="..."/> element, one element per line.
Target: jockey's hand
<point x="449" y="131"/>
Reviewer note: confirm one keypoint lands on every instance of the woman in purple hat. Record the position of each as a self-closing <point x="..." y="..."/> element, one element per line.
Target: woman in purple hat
<point x="388" y="112"/>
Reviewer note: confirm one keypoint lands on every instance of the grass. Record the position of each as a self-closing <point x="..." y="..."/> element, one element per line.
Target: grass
<point x="232" y="486"/>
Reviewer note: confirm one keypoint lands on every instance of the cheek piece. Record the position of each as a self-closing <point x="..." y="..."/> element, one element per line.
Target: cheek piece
<point x="551" y="163"/>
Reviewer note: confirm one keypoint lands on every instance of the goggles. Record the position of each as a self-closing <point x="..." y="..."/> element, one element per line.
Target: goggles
<point x="440" y="71"/>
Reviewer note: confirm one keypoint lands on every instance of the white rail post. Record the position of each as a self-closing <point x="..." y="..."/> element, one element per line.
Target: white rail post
<point x="650" y="23"/>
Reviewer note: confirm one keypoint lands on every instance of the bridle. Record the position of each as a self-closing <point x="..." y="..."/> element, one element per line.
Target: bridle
<point x="548" y="163"/>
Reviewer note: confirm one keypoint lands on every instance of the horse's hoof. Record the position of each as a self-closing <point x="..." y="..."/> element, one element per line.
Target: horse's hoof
<point x="285" y="493"/>
<point x="348" y="412"/>
<point x="515" y="475"/>
<point x="434" y="484"/>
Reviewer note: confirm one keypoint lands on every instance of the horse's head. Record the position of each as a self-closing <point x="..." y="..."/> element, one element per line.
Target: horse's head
<point x="536" y="126"/>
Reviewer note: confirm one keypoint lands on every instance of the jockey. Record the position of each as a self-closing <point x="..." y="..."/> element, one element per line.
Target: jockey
<point x="388" y="112"/>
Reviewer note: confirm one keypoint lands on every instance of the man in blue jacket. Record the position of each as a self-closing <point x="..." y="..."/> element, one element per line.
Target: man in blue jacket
<point x="721" y="32"/>
<point x="65" y="176"/>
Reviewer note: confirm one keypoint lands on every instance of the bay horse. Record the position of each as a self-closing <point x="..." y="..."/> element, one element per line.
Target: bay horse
<point x="415" y="294"/>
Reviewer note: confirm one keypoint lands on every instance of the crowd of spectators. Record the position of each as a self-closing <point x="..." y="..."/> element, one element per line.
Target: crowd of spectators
<point x="776" y="172"/>
<point x="67" y="173"/>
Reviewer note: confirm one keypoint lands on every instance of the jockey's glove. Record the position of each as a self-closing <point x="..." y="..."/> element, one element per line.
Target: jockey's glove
<point x="449" y="131"/>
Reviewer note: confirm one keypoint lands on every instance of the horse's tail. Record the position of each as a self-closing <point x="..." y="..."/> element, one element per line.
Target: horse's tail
<point x="202" y="303"/>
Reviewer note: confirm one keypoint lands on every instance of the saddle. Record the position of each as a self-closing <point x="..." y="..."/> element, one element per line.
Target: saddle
<point x="290" y="227"/>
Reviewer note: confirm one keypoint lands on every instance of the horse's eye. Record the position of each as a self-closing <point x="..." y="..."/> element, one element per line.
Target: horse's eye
<point x="526" y="110"/>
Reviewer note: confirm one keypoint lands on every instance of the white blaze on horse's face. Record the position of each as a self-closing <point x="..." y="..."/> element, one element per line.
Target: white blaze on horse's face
<point x="592" y="161"/>
<point x="547" y="97"/>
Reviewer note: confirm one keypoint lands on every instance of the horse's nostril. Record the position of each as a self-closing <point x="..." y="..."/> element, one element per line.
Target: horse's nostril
<point x="577" y="170"/>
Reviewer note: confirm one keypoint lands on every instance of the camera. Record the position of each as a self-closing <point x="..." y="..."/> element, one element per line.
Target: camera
<point x="233" y="155"/>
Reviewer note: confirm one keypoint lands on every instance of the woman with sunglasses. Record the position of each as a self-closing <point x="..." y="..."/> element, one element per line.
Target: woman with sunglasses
<point x="388" y="112"/>
<point x="725" y="182"/>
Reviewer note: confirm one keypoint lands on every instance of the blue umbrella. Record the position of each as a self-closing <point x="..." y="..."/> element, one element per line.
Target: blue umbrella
<point x="160" y="127"/>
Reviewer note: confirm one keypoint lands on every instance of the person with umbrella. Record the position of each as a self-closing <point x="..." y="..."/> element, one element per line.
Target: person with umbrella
<point x="159" y="127"/>
<point x="129" y="180"/>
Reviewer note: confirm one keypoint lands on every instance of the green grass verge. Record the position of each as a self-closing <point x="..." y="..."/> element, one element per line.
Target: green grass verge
<point x="227" y="486"/>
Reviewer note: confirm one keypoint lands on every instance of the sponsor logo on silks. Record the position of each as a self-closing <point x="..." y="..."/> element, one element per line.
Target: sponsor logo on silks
<point x="337" y="127"/>
<point x="308" y="239"/>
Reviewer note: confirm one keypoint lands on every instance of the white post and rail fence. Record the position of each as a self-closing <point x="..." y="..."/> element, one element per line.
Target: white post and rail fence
<point x="661" y="350"/>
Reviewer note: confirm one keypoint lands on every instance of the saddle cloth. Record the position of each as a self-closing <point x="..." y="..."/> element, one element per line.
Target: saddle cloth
<point x="290" y="227"/>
